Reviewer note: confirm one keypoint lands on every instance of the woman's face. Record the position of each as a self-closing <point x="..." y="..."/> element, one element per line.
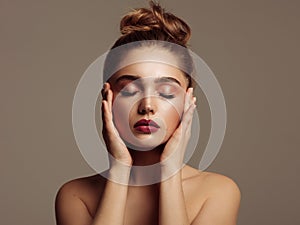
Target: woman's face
<point x="148" y="103"/>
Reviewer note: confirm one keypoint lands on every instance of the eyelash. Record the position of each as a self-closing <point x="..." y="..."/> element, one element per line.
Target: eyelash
<point x="128" y="94"/>
<point x="167" y="96"/>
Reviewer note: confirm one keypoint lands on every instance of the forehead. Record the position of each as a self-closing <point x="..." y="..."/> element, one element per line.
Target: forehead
<point x="151" y="70"/>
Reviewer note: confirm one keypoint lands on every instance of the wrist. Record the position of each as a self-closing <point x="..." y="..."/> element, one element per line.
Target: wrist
<point x="118" y="172"/>
<point x="170" y="168"/>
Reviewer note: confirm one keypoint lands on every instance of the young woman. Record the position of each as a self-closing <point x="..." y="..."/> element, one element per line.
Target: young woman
<point x="147" y="111"/>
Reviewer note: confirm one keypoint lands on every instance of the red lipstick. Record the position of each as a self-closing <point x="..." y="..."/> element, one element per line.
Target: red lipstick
<point x="146" y="126"/>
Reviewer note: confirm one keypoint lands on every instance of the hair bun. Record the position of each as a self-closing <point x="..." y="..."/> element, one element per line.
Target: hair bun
<point x="138" y="20"/>
<point x="157" y="20"/>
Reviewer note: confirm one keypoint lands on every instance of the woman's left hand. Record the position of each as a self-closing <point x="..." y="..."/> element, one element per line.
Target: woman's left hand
<point x="175" y="148"/>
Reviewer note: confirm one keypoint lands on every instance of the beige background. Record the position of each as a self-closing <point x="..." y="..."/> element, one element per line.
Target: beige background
<point x="252" y="47"/>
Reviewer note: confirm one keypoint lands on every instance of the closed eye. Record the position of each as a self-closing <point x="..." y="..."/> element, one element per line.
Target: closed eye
<point x="128" y="93"/>
<point x="128" y="89"/>
<point x="169" y="96"/>
<point x="167" y="90"/>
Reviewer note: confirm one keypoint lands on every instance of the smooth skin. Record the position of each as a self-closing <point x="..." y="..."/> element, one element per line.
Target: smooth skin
<point x="190" y="197"/>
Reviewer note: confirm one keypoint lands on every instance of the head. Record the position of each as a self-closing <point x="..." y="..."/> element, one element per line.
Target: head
<point x="149" y="70"/>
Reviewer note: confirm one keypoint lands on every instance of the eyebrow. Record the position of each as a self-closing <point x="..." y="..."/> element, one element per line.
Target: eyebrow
<point x="157" y="80"/>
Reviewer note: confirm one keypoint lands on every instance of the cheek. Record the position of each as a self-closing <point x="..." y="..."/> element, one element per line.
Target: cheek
<point x="171" y="113"/>
<point x="121" y="111"/>
<point x="178" y="105"/>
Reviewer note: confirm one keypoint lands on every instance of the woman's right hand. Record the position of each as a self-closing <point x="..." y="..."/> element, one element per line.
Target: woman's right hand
<point x="114" y="143"/>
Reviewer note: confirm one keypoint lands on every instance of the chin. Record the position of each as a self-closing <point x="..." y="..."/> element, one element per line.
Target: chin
<point x="144" y="141"/>
<point x="145" y="144"/>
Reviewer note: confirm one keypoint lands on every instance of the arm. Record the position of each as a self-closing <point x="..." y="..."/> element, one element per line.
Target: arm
<point x="172" y="209"/>
<point x="111" y="209"/>
<point x="71" y="210"/>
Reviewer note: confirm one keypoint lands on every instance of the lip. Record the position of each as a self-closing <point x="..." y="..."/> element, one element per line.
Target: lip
<point x="146" y="126"/>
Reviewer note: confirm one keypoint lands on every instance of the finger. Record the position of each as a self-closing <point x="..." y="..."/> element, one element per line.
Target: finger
<point x="109" y="99"/>
<point x="190" y="120"/>
<point x="194" y="100"/>
<point x="108" y="126"/>
<point x="186" y="122"/>
<point x="188" y="117"/>
<point x="186" y="100"/>
<point x="102" y="109"/>
<point x="188" y="97"/>
<point x="105" y="113"/>
<point x="109" y="95"/>
<point x="104" y="91"/>
<point x="104" y="119"/>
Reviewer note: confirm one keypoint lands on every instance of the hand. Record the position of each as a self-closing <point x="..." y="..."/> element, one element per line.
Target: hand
<point x="175" y="148"/>
<point x="115" y="145"/>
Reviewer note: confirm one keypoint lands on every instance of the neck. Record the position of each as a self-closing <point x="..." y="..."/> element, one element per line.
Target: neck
<point x="146" y="158"/>
<point x="143" y="161"/>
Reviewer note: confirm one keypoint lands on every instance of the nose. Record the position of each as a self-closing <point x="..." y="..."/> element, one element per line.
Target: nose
<point x="147" y="106"/>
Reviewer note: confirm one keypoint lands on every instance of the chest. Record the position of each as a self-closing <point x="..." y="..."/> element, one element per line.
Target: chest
<point x="142" y="208"/>
<point x="142" y="205"/>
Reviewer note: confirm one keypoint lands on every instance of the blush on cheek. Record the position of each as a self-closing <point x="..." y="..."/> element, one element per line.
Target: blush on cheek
<point x="171" y="118"/>
<point x="121" y="117"/>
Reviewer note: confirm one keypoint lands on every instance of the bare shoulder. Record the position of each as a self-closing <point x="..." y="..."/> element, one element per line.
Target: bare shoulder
<point x="88" y="189"/>
<point x="213" y="183"/>
<point x="214" y="197"/>
<point x="79" y="186"/>
<point x="76" y="197"/>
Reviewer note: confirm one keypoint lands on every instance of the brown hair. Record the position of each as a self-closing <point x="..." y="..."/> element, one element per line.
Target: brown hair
<point x="143" y="24"/>
<point x="153" y="24"/>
